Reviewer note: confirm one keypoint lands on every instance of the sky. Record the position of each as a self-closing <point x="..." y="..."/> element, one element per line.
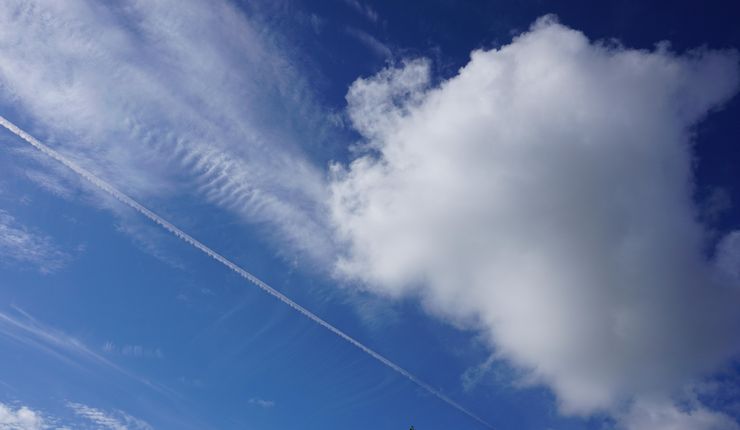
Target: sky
<point x="369" y="214"/>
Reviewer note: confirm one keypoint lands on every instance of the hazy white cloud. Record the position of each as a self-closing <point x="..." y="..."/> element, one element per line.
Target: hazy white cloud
<point x="149" y="238"/>
<point x="21" y="418"/>
<point x="544" y="196"/>
<point x="50" y="183"/>
<point x="25" y="418"/>
<point x="21" y="245"/>
<point x="363" y="9"/>
<point x="117" y="420"/>
<point x="136" y="351"/>
<point x="24" y="329"/>
<point x="473" y="376"/>
<point x="728" y="256"/>
<point x="376" y="46"/>
<point x="716" y="204"/>
<point x="21" y="327"/>
<point x="646" y="415"/>
<point x="161" y="97"/>
<point x="261" y="403"/>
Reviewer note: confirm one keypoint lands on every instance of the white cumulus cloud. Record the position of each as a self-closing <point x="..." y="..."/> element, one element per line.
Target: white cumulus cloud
<point x="544" y="196"/>
<point x="21" y="418"/>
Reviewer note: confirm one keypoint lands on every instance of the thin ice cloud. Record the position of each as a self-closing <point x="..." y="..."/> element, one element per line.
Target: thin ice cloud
<point x="262" y="403"/>
<point x="20" y="245"/>
<point x="152" y="95"/>
<point x="117" y="420"/>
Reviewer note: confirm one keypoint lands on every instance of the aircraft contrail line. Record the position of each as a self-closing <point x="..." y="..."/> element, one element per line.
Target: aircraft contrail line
<point x="125" y="199"/>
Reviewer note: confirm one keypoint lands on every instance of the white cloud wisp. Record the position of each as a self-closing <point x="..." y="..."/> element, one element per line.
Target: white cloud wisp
<point x="106" y="420"/>
<point x="21" y="245"/>
<point x="107" y="188"/>
<point x="163" y="93"/>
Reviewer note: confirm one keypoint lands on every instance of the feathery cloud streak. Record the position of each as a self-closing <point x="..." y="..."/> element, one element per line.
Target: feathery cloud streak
<point x="163" y="93"/>
<point x="106" y="420"/>
<point x="128" y="201"/>
<point x="24" y="329"/>
<point x="21" y="245"/>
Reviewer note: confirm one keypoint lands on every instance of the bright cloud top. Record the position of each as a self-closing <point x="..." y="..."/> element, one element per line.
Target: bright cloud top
<point x="544" y="196"/>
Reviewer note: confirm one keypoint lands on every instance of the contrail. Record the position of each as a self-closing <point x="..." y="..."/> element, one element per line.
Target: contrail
<point x="123" y="198"/>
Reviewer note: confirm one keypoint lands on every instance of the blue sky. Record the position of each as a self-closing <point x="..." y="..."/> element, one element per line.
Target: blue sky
<point x="530" y="207"/>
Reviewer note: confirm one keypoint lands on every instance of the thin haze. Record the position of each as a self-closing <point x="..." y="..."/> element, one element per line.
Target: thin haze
<point x="123" y="198"/>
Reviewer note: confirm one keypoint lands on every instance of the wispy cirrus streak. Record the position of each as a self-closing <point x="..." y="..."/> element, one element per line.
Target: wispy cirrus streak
<point x="125" y="199"/>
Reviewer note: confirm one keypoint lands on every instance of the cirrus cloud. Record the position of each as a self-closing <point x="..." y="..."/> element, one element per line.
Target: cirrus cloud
<point x="21" y="245"/>
<point x="168" y="98"/>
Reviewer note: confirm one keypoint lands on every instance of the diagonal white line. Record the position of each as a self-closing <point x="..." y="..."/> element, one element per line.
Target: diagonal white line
<point x="125" y="199"/>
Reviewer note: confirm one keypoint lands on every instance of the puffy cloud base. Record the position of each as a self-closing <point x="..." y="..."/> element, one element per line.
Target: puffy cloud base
<point x="651" y="415"/>
<point x="544" y="196"/>
<point x="22" y="418"/>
